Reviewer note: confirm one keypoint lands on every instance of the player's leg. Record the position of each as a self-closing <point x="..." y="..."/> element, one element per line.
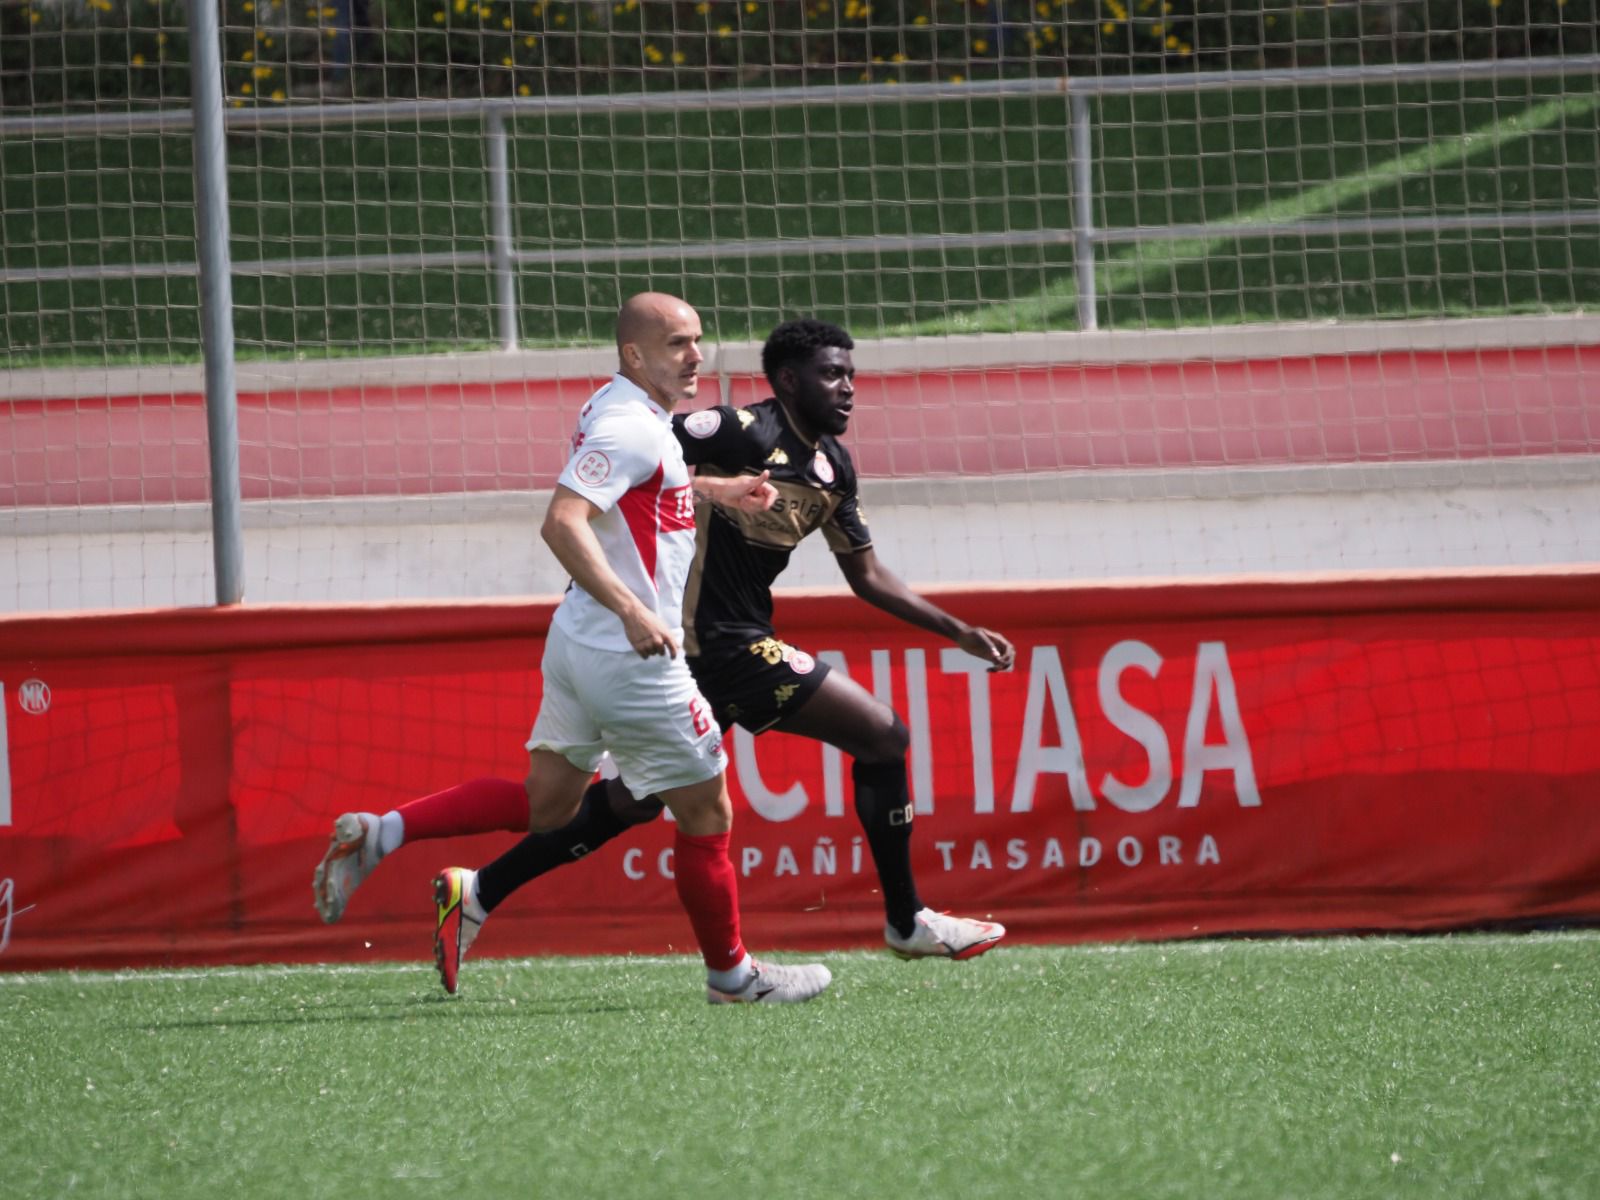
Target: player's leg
<point x="845" y="715"/>
<point x="362" y="840"/>
<point x="607" y="810"/>
<point x="666" y="744"/>
<point x="554" y="789"/>
<point x="709" y="892"/>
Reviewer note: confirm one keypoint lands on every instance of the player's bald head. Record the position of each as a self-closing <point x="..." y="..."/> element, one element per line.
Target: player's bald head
<point x="649" y="313"/>
<point x="658" y="346"/>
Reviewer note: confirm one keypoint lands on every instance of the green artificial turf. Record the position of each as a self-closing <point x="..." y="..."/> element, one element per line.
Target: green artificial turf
<point x="1441" y="1067"/>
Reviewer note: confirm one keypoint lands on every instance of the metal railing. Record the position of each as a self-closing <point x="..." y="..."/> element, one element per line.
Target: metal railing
<point x="502" y="257"/>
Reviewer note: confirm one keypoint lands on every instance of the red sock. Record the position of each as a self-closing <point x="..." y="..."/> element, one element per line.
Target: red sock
<point x="709" y="891"/>
<point x="477" y="806"/>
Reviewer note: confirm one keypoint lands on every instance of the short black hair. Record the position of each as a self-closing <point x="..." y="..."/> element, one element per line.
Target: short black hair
<point x="794" y="342"/>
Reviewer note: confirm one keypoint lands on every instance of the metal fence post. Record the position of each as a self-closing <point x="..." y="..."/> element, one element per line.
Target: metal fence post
<point x="1083" y="212"/>
<point x="505" y="279"/>
<point x="216" y="297"/>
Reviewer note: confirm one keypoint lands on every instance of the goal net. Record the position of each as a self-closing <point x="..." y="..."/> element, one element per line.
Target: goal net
<point x="1139" y="289"/>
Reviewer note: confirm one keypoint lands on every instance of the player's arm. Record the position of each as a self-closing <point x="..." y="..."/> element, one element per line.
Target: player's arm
<point x="749" y="493"/>
<point x="882" y="588"/>
<point x="566" y="531"/>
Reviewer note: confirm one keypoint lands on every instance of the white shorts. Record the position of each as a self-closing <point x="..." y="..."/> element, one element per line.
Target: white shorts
<point x="646" y="711"/>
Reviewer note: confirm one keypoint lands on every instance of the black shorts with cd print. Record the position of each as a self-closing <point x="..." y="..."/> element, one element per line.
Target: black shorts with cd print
<point x="756" y="683"/>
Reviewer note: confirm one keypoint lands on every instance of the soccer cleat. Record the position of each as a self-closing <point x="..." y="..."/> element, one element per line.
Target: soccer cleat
<point x="352" y="855"/>
<point x="774" y="983"/>
<point x="938" y="935"/>
<point x="455" y="930"/>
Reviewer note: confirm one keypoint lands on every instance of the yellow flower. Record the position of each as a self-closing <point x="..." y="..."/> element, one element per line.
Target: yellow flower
<point x="922" y="19"/>
<point x="1172" y="41"/>
<point x="161" y="40"/>
<point x="897" y="58"/>
<point x="328" y="11"/>
<point x="438" y="17"/>
<point x="980" y="46"/>
<point x="277" y="94"/>
<point x="524" y="90"/>
<point x="702" y="8"/>
<point x="248" y="89"/>
<point x="561" y="18"/>
<point x="268" y="42"/>
<point x="237" y="103"/>
<point x="248" y="7"/>
<point x="1042" y="8"/>
<point x="679" y="57"/>
<point x="505" y="22"/>
<point x="138" y="60"/>
<point x="249" y="56"/>
<point x="461" y="6"/>
<point x="484" y="12"/>
<point x="1108" y="28"/>
<point x="530" y="41"/>
<point x="751" y="6"/>
<point x="724" y="30"/>
<point x="262" y="72"/>
<point x="1158" y="29"/>
<point x="1184" y="47"/>
<point x="1050" y="33"/>
<point x="33" y="18"/>
<point x="506" y="61"/>
<point x="958" y="79"/>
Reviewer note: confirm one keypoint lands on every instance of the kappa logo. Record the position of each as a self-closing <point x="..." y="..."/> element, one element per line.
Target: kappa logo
<point x="746" y="418"/>
<point x="34" y="696"/>
<point x="778" y="457"/>
<point x="783" y="692"/>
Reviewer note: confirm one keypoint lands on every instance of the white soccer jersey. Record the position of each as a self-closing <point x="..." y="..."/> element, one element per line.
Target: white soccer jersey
<point x="627" y="463"/>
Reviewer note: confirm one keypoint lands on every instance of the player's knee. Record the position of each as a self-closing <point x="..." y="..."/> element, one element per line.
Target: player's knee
<point x="887" y="739"/>
<point x="627" y="808"/>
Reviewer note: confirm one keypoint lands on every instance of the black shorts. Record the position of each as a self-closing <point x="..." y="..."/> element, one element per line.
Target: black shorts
<point x="756" y="683"/>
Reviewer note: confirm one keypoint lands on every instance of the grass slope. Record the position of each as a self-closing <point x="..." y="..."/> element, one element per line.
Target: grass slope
<point x="1458" y="1066"/>
<point x="889" y="169"/>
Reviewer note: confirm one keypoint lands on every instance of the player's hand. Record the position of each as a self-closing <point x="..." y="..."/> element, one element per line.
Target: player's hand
<point x="648" y="635"/>
<point x="752" y="493"/>
<point x="988" y="645"/>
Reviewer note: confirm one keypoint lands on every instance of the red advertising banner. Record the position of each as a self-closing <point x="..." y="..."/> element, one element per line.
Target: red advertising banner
<point x="1166" y="760"/>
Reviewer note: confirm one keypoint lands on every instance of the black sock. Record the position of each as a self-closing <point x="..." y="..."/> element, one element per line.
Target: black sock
<point x="537" y="853"/>
<point x="883" y="804"/>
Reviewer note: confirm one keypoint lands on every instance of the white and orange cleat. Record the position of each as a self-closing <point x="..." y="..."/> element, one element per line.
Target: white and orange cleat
<point x="456" y="928"/>
<point x="353" y="852"/>
<point x="939" y="935"/>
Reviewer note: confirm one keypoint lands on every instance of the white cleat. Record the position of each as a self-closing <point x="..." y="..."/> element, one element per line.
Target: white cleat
<point x="774" y="983"/>
<point x="939" y="935"/>
<point x="352" y="854"/>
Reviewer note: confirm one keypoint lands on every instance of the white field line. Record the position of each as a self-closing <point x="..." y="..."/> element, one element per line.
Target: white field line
<point x="1328" y="946"/>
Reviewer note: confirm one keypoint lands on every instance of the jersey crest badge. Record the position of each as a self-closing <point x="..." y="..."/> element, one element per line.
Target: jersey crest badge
<point x="594" y="468"/>
<point x="822" y="468"/>
<point x="704" y="423"/>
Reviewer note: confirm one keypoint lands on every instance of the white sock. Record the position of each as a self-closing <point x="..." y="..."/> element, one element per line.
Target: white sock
<point x="391" y="833"/>
<point x="735" y="977"/>
<point x="470" y="908"/>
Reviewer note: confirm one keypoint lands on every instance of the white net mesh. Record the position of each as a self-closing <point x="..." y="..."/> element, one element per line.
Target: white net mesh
<point x="1330" y="321"/>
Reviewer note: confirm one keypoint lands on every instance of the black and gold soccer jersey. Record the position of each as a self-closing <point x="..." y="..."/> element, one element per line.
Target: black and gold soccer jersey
<point x="738" y="555"/>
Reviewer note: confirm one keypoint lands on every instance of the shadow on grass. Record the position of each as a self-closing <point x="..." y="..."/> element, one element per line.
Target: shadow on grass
<point x="441" y="1007"/>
